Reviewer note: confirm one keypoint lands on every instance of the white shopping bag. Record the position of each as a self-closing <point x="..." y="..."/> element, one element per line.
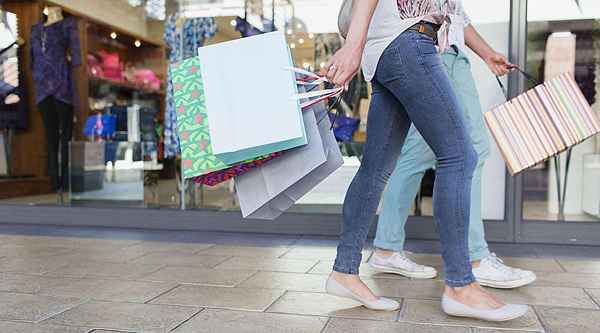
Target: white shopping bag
<point x="271" y="189"/>
<point x="248" y="90"/>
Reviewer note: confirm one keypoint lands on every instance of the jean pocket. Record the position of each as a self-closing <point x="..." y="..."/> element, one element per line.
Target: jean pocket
<point x="426" y="45"/>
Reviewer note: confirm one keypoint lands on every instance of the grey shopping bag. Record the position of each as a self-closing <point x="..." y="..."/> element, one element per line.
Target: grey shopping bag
<point x="268" y="191"/>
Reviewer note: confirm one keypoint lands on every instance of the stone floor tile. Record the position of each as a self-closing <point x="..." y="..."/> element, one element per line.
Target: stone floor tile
<point x="244" y="251"/>
<point x="226" y="321"/>
<point x="286" y="281"/>
<point x="28" y="284"/>
<point x="581" y="266"/>
<point x="484" y="330"/>
<point x="179" y="259"/>
<point x="143" y="318"/>
<point x="220" y="297"/>
<point x="318" y="304"/>
<point x="419" y="289"/>
<point x="32" y="308"/>
<point x="269" y="265"/>
<point x="573" y="280"/>
<point x="102" y="255"/>
<point x="430" y="312"/>
<point x="15" y="327"/>
<point x="199" y="275"/>
<point x="105" y="270"/>
<point x="595" y="294"/>
<point x="549" y="296"/>
<point x="339" y="325"/>
<point x="559" y="320"/>
<point x="324" y="268"/>
<point x="32" y="250"/>
<point x="534" y="264"/>
<point x="318" y="252"/>
<point x="110" y="290"/>
<point x="156" y="246"/>
<point x="31" y="265"/>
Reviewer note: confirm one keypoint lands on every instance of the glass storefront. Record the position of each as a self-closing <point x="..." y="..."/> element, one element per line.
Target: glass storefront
<point x="122" y="154"/>
<point x="564" y="36"/>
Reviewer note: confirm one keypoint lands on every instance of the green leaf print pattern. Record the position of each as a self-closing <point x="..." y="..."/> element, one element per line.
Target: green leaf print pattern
<point x="192" y="122"/>
<point x="197" y="156"/>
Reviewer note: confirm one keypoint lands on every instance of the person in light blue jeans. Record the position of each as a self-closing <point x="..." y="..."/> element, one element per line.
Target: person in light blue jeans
<point x="416" y="158"/>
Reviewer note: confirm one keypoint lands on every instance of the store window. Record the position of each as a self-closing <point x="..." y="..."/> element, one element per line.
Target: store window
<point x="563" y="35"/>
<point x="312" y="34"/>
<point x="93" y="124"/>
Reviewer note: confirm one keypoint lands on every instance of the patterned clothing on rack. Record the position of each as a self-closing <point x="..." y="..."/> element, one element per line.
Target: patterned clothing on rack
<point x="182" y="44"/>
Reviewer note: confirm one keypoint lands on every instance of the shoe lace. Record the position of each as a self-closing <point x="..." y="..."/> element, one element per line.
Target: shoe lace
<point x="499" y="264"/>
<point x="406" y="260"/>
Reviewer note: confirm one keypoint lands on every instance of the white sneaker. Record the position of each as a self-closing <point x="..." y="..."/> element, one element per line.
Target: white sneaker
<point x="399" y="263"/>
<point x="492" y="272"/>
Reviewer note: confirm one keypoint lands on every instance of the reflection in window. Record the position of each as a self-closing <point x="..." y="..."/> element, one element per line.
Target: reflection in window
<point x="563" y="36"/>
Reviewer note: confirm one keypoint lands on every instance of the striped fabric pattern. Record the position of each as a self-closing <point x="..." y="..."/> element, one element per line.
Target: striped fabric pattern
<point x="542" y="123"/>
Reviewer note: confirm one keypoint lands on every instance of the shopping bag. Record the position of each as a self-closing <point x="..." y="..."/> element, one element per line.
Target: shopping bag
<point x="248" y="94"/>
<point x="218" y="177"/>
<point x="192" y="121"/>
<point x="542" y="122"/>
<point x="268" y="191"/>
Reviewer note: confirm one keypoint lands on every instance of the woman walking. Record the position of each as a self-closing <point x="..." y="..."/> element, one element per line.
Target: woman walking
<point x="398" y="43"/>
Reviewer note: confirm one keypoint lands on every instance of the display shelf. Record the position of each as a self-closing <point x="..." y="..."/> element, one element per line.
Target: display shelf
<point x="125" y="86"/>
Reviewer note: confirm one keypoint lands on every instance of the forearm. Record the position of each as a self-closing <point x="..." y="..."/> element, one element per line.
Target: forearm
<point x="362" y="12"/>
<point x="476" y="43"/>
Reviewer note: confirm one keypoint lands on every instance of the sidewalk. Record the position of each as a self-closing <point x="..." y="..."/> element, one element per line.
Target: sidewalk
<point x="75" y="280"/>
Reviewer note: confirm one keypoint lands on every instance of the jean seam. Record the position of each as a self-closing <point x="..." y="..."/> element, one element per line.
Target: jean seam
<point x="462" y="172"/>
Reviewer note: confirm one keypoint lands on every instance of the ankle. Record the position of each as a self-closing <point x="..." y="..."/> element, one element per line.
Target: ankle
<point x="458" y="292"/>
<point x="384" y="253"/>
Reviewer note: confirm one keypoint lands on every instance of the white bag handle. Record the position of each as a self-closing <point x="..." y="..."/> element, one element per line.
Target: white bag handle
<point x="321" y="95"/>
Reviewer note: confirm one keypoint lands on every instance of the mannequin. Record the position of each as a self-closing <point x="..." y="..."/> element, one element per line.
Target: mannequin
<point x="54" y="14"/>
<point x="52" y="41"/>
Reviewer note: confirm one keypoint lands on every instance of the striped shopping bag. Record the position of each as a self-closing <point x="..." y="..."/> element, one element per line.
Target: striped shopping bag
<point x="542" y="123"/>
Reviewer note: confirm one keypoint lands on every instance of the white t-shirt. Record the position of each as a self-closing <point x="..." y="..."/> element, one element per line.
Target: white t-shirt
<point x="393" y="17"/>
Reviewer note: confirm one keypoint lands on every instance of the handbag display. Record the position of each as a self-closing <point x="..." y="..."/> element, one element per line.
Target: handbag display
<point x="542" y="123"/>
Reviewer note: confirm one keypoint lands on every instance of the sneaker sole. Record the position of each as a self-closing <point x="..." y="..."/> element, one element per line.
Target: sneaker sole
<point x="405" y="273"/>
<point x="507" y="285"/>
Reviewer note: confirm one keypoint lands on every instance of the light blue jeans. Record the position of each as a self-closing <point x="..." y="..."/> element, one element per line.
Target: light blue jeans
<point x="411" y="86"/>
<point x="417" y="157"/>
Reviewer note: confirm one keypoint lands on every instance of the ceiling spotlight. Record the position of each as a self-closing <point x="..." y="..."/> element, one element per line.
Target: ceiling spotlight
<point x="137" y="43"/>
<point x="311" y="35"/>
<point x="233" y="23"/>
<point x="322" y="64"/>
<point x="301" y="41"/>
<point x="292" y="46"/>
<point x="113" y="35"/>
<point x="299" y="26"/>
<point x="289" y="31"/>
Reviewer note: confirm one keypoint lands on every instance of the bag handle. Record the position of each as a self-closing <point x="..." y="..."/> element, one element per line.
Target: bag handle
<point x="529" y="77"/>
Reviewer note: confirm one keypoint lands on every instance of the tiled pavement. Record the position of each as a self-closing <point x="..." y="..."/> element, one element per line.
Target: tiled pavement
<point x="75" y="280"/>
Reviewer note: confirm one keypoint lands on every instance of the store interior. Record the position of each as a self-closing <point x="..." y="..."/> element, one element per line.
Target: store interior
<point x="116" y="144"/>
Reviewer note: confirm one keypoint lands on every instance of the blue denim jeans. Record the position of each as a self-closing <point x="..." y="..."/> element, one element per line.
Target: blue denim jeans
<point x="411" y="85"/>
<point x="416" y="158"/>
